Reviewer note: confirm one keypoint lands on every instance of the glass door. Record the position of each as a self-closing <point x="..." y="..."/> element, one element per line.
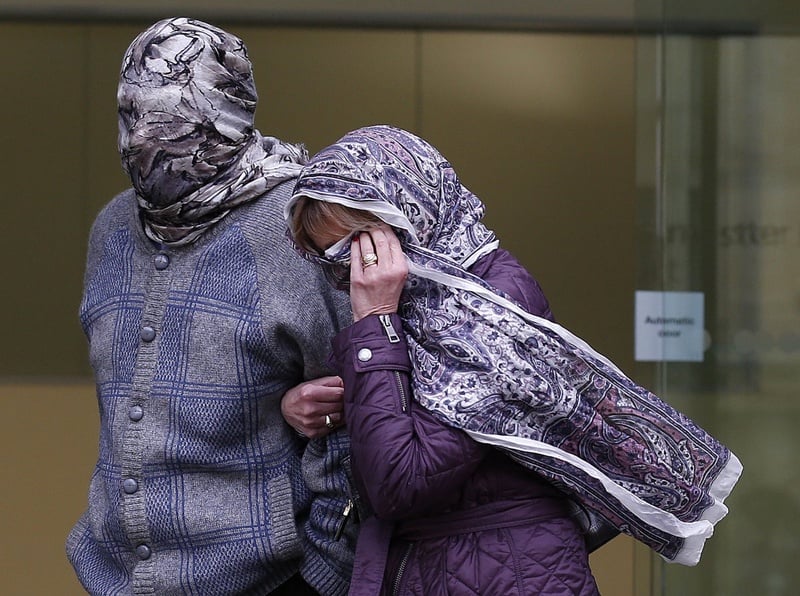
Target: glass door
<point x="718" y="172"/>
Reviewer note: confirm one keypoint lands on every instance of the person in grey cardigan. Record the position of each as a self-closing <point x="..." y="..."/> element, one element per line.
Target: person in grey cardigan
<point x="222" y="467"/>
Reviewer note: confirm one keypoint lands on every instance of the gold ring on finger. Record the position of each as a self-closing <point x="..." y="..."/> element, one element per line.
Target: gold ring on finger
<point x="369" y="259"/>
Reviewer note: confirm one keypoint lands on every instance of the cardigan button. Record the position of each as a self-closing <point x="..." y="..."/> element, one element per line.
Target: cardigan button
<point x="148" y="333"/>
<point x="136" y="413"/>
<point x="130" y="486"/>
<point x="161" y="261"/>
<point x="143" y="552"/>
<point x="364" y="355"/>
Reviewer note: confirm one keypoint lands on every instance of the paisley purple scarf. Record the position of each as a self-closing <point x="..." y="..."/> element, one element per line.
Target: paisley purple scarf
<point x="514" y="380"/>
<point x="187" y="104"/>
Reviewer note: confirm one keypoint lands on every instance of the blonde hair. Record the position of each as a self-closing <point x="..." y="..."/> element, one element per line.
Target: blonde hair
<point x="311" y="218"/>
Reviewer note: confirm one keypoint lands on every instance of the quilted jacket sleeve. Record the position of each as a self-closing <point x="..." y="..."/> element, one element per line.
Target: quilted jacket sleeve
<point x="502" y="270"/>
<point x="406" y="461"/>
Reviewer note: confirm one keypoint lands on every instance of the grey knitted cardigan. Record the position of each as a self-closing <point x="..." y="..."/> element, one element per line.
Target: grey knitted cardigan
<point x="200" y="486"/>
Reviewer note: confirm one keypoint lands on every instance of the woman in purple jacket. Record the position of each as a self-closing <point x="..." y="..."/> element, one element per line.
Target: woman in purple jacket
<point x="453" y="350"/>
<point x="467" y="520"/>
<point x="450" y="515"/>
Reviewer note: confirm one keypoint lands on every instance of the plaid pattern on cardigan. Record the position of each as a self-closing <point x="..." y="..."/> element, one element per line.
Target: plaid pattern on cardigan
<point x="199" y="485"/>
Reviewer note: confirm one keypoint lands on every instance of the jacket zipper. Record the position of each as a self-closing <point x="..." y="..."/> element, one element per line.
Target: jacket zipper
<point x="391" y="333"/>
<point x="353" y="507"/>
<point x="346" y="512"/>
<point x="402" y="569"/>
<point x="388" y="328"/>
<point x="402" y="391"/>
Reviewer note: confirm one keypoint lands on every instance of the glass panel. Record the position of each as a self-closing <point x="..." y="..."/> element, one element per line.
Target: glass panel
<point x="719" y="170"/>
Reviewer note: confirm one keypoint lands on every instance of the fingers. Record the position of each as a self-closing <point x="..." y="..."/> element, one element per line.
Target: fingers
<point x="325" y="388"/>
<point x="378" y="241"/>
<point x="356" y="257"/>
<point x="327" y="423"/>
<point x="314" y="408"/>
<point x="381" y="242"/>
<point x="331" y="381"/>
<point x="378" y="272"/>
<point x="333" y="420"/>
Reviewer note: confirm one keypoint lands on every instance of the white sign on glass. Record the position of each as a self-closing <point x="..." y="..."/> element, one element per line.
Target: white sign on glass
<point x="669" y="326"/>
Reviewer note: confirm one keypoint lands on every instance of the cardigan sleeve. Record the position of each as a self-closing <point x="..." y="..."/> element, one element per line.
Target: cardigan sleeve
<point x="300" y="311"/>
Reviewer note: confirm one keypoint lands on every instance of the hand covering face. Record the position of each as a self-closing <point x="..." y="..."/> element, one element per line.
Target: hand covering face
<point x="187" y="104"/>
<point x="512" y="379"/>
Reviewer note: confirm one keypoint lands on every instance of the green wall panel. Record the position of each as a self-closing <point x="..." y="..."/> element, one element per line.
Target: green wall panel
<point x="541" y="127"/>
<point x="43" y="157"/>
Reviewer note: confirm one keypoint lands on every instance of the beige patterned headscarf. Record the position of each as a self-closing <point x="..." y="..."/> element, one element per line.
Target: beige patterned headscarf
<point x="187" y="138"/>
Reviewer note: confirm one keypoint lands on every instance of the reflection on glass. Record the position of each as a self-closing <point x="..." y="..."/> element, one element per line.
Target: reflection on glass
<point x="724" y="219"/>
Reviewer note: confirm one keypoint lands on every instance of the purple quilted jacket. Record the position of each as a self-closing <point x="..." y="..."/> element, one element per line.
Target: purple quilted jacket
<point x="447" y="515"/>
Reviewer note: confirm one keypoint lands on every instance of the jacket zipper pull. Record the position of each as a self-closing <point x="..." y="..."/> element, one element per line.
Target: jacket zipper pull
<point x="386" y="321"/>
<point x="348" y="509"/>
